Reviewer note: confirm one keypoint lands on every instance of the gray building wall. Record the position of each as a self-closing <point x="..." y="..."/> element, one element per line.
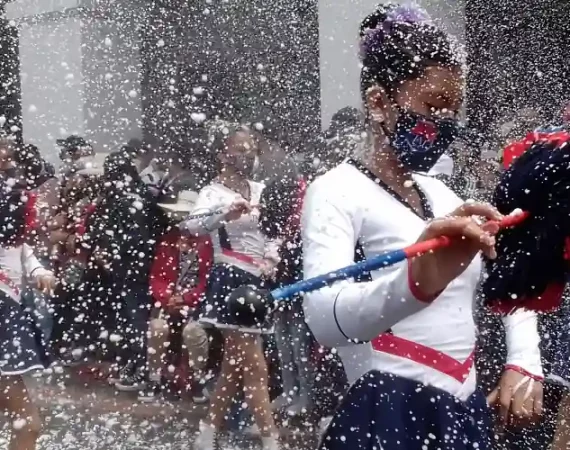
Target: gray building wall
<point x="246" y="60"/>
<point x="79" y="72"/>
<point x="82" y="62"/>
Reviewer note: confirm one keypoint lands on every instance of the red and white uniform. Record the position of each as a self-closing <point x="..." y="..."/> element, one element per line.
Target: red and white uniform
<point x="239" y="243"/>
<point x="432" y="342"/>
<point x="19" y="261"/>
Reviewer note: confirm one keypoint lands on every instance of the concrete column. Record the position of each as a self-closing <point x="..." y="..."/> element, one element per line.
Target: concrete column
<point x="339" y="21"/>
<point x="79" y="70"/>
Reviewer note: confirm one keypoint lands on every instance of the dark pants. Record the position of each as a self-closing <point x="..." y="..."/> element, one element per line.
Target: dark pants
<point x="133" y="303"/>
<point x="39" y="305"/>
<point x="82" y="312"/>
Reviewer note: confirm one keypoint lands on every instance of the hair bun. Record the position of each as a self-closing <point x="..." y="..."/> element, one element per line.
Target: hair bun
<point x="388" y="14"/>
<point x="398" y="41"/>
<point x="386" y="20"/>
<point x="374" y="20"/>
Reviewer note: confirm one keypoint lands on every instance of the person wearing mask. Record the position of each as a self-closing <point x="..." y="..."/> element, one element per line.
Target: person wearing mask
<point x="125" y="229"/>
<point x="73" y="150"/>
<point x="71" y="254"/>
<point x="406" y="333"/>
<point x="242" y="255"/>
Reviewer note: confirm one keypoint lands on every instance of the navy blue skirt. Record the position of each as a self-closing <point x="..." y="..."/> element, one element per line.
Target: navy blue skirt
<point x="223" y="279"/>
<point x="22" y="347"/>
<point x="384" y="412"/>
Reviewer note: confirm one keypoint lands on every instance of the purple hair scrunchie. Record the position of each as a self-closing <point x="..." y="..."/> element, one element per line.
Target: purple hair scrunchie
<point x="408" y="14"/>
<point x="375" y="37"/>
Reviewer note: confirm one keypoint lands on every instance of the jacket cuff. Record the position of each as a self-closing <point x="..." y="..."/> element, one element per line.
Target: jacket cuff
<point x="522" y="371"/>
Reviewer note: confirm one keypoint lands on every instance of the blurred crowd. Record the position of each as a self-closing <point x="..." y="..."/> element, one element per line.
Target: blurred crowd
<point x="138" y="243"/>
<point x="143" y="244"/>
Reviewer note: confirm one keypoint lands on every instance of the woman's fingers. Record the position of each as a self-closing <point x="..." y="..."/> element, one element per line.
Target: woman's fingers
<point x="463" y="228"/>
<point x="478" y="209"/>
<point x="241" y="205"/>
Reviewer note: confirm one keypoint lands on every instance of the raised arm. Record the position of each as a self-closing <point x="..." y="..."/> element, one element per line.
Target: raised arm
<point x="347" y="311"/>
<point x="207" y="202"/>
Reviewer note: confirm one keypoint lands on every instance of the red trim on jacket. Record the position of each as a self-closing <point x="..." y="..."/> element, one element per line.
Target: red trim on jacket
<point x="165" y="268"/>
<point x="427" y="356"/>
<point x="524" y="372"/>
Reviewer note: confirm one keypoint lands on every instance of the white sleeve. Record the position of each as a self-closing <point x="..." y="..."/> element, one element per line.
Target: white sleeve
<point x="206" y="202"/>
<point x="348" y="312"/>
<point x="521" y="328"/>
<point x="31" y="265"/>
<point x="271" y="250"/>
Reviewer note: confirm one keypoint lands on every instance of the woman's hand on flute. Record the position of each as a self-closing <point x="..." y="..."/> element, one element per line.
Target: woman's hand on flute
<point x="471" y="228"/>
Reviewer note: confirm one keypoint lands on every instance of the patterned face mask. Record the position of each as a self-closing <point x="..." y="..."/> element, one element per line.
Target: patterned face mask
<point x="420" y="141"/>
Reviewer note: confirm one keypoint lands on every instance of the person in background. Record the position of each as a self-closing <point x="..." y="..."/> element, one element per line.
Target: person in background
<point x="341" y="140"/>
<point x="178" y="279"/>
<point x="21" y="345"/>
<point x="35" y="169"/>
<point x="347" y="120"/>
<point x="242" y="255"/>
<point x="280" y="212"/>
<point x="72" y="150"/>
<point x="273" y="162"/>
<point x="71" y="253"/>
<point x="126" y="227"/>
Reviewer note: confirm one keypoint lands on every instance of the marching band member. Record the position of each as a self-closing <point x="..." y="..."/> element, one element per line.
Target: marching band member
<point x="21" y="346"/>
<point x="406" y="335"/>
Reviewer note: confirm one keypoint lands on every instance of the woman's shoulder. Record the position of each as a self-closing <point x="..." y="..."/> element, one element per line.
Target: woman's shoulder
<point x="340" y="185"/>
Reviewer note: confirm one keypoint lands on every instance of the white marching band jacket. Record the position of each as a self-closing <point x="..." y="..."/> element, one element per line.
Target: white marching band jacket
<point x="432" y="342"/>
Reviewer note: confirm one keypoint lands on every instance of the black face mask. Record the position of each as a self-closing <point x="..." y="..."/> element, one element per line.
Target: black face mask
<point x="420" y="141"/>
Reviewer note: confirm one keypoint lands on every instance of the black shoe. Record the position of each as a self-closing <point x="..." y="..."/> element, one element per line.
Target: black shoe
<point x="151" y="392"/>
<point x="200" y="395"/>
<point x="71" y="357"/>
<point x="118" y="372"/>
<point x="132" y="382"/>
<point x="121" y="372"/>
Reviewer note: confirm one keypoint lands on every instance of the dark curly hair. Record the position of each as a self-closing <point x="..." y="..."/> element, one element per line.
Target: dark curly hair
<point x="397" y="43"/>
